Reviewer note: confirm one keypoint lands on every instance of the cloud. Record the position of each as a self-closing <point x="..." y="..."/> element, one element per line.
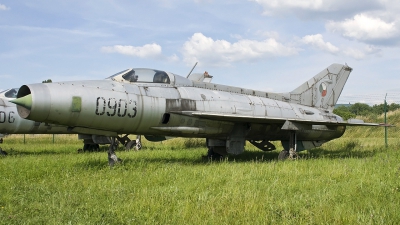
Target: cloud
<point x="317" y="8"/>
<point x="57" y="31"/>
<point x="145" y="51"/>
<point x="6" y="76"/>
<point x="3" y="7"/>
<point x="200" y="48"/>
<point x="374" y="22"/>
<point x="361" y="53"/>
<point x="268" y="34"/>
<point x="173" y="58"/>
<point x="366" y="29"/>
<point x="318" y="42"/>
<point x="285" y="5"/>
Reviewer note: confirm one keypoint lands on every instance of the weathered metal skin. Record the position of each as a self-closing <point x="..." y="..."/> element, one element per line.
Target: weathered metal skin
<point x="12" y="123"/>
<point x="103" y="109"/>
<point x="176" y="106"/>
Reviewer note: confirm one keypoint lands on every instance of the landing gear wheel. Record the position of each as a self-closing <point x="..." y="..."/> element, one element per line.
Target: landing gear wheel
<point x="91" y="147"/>
<point x="85" y="147"/>
<point x="3" y="152"/>
<point x="130" y="145"/>
<point x="211" y="154"/>
<point x="283" y="155"/>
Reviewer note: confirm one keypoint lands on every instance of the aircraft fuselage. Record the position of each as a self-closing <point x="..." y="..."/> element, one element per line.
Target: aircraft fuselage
<point x="164" y="110"/>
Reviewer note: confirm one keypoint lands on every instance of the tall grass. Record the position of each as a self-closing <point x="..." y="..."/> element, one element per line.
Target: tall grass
<point x="351" y="180"/>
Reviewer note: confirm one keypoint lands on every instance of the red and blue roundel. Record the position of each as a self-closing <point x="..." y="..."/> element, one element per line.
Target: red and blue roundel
<point x="322" y="89"/>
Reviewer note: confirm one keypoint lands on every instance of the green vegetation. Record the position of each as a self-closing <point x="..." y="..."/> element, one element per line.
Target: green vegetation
<point x="362" y="109"/>
<point x="47" y="81"/>
<point x="351" y="180"/>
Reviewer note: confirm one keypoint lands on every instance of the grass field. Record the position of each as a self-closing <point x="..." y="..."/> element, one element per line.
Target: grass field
<point x="351" y="180"/>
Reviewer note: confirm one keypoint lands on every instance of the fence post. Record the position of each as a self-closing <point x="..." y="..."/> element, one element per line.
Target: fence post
<point x="385" y="108"/>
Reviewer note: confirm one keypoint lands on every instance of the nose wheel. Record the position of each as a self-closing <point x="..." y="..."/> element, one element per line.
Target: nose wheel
<point x="134" y="144"/>
<point x="131" y="144"/>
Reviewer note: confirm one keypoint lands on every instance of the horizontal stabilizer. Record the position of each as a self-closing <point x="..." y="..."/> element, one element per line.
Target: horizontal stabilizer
<point x="358" y="122"/>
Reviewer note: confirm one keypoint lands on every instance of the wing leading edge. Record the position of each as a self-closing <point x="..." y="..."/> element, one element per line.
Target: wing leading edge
<point x="276" y="120"/>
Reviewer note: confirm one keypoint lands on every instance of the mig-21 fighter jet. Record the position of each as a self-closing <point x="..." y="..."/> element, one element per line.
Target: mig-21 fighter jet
<point x="157" y="104"/>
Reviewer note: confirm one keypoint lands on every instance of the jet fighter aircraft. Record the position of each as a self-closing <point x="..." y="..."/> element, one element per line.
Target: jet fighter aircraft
<point x="156" y="104"/>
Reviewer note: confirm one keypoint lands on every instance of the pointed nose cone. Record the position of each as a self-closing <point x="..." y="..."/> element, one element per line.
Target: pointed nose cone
<point x="25" y="101"/>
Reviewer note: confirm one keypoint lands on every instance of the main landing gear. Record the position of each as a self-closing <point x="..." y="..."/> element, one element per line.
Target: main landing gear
<point x="291" y="153"/>
<point x="216" y="152"/>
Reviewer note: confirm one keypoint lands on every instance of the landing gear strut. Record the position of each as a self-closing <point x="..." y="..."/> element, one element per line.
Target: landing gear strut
<point x="112" y="157"/>
<point x="264" y="145"/>
<point x="291" y="153"/>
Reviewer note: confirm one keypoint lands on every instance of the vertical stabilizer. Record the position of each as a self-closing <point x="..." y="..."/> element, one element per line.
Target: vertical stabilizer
<point x="324" y="89"/>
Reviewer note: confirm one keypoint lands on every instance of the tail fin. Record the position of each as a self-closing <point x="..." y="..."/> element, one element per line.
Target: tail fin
<point x="324" y="89"/>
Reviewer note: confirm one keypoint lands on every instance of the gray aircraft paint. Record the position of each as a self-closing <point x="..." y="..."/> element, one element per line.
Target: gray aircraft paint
<point x="181" y="107"/>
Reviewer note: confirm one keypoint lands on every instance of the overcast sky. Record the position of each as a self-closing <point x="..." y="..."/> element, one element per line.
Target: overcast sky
<point x="270" y="45"/>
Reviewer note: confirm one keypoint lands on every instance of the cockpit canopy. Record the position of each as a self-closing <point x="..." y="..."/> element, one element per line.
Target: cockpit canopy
<point x="141" y="76"/>
<point x="9" y="93"/>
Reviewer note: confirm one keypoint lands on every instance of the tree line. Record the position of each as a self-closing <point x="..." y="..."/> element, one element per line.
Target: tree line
<point x="362" y="109"/>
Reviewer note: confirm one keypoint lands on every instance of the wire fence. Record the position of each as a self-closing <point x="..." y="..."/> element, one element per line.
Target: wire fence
<point x="371" y="99"/>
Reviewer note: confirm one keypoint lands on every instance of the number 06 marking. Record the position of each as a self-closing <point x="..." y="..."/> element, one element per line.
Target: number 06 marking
<point x="3" y="117"/>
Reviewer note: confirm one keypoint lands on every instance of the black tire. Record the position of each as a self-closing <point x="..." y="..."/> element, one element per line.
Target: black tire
<point x="283" y="155"/>
<point x="91" y="147"/>
<point x="95" y="147"/>
<point x="3" y="152"/>
<point x="213" y="155"/>
<point x="130" y="145"/>
<point x="86" y="147"/>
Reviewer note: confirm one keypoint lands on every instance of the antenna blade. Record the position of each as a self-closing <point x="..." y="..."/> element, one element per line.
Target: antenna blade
<point x="191" y="70"/>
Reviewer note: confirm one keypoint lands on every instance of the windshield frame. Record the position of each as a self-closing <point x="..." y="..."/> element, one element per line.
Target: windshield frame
<point x="10" y="93"/>
<point x="143" y="76"/>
